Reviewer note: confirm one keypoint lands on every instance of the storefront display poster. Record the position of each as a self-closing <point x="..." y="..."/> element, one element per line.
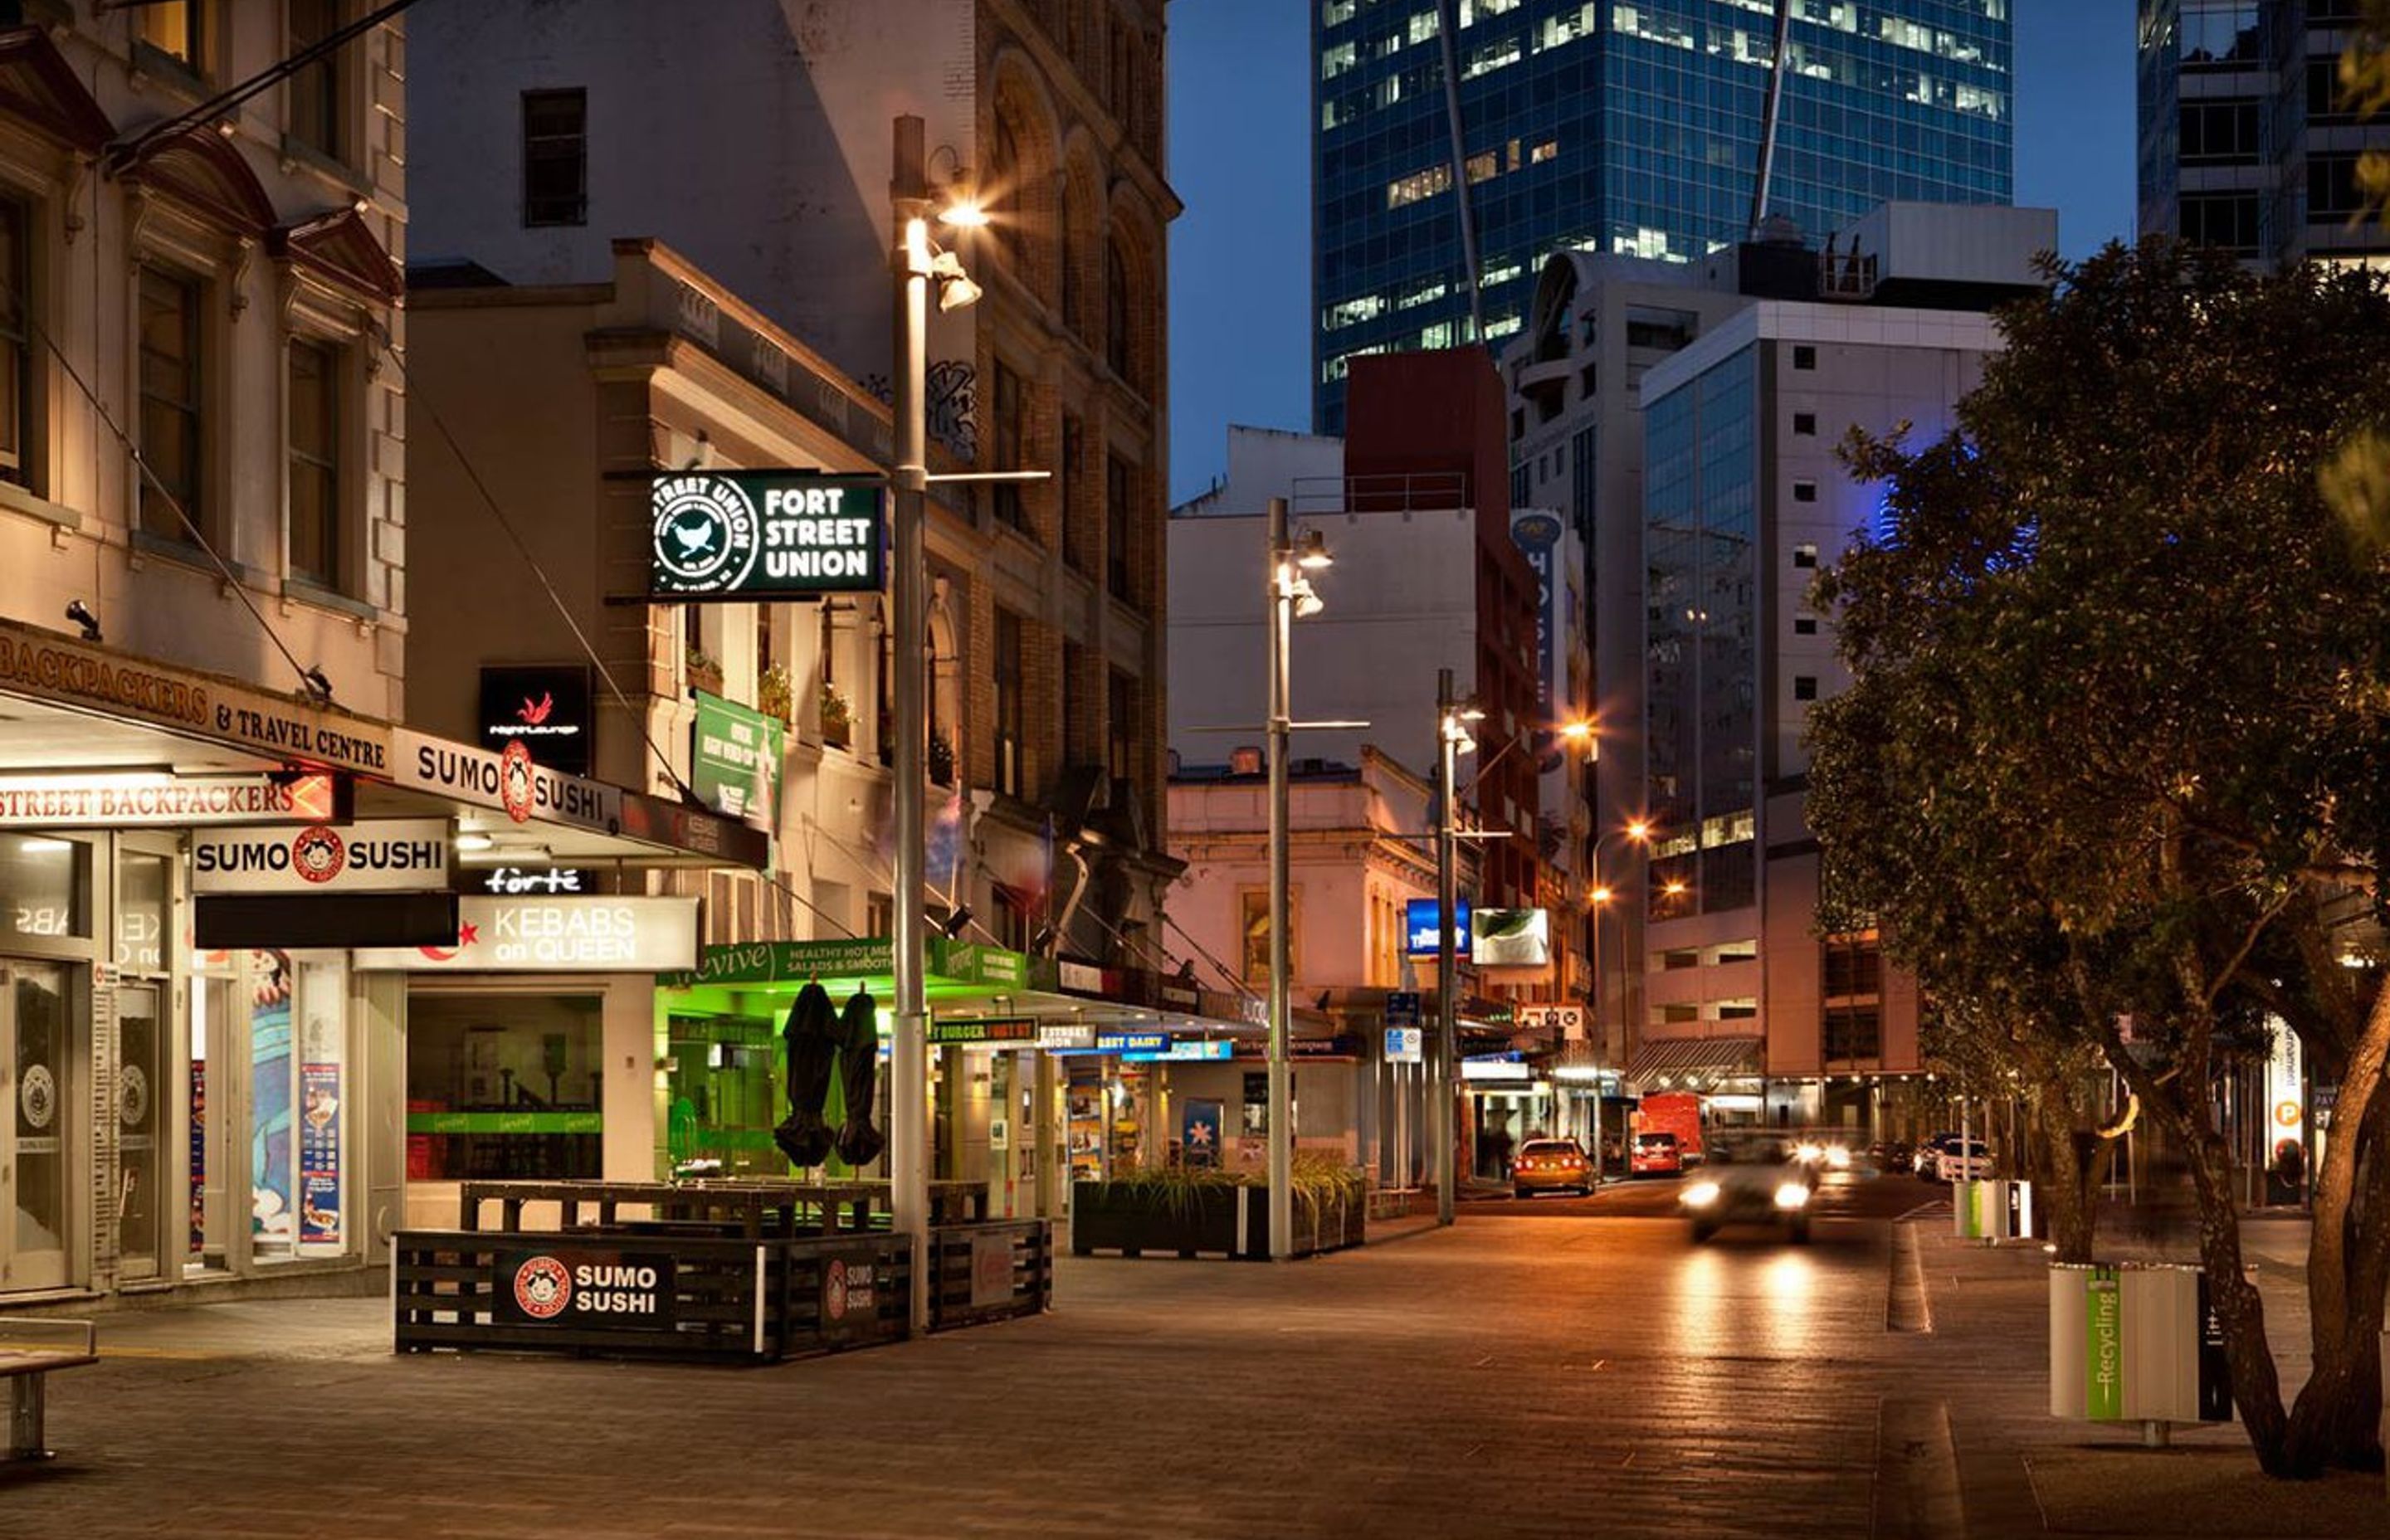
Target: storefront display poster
<point x="319" y="1154"/>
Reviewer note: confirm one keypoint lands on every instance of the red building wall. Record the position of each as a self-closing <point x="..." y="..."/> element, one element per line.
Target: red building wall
<point x="1427" y="430"/>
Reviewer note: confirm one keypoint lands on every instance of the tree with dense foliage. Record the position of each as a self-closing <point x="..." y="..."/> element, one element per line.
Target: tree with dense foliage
<point x="2110" y="773"/>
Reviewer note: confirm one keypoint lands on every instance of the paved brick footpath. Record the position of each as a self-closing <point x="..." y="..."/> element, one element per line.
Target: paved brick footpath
<point x="1512" y="1377"/>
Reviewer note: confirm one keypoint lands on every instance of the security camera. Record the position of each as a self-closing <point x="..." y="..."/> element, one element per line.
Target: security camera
<point x="81" y="614"/>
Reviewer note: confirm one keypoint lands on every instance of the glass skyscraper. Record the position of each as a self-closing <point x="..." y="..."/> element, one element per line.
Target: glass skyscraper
<point x="1618" y="127"/>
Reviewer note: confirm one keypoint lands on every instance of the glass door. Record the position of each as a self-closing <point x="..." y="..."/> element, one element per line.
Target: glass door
<point x="139" y="1115"/>
<point x="35" y="1152"/>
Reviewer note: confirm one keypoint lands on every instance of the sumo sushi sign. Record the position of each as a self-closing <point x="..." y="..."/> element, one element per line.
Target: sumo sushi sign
<point x="762" y="534"/>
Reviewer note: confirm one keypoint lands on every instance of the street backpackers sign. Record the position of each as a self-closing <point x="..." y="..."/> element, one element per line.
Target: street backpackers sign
<point x="373" y="855"/>
<point x="603" y="1290"/>
<point x="751" y="535"/>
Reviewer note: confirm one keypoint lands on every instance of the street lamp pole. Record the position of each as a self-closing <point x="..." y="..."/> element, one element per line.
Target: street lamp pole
<point x="1442" y="1090"/>
<point x="908" y="1120"/>
<point x="1281" y="1129"/>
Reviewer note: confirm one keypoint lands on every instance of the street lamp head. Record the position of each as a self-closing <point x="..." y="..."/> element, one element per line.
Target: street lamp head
<point x="1471" y="711"/>
<point x="954" y="286"/>
<point x="1599" y="894"/>
<point x="1315" y="553"/>
<point x="1639" y="830"/>
<point x="1578" y="732"/>
<point x="1675" y="888"/>
<point x="964" y="214"/>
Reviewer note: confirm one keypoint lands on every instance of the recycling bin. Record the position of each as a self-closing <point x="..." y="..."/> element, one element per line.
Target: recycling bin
<point x="2136" y="1343"/>
<point x="1993" y="1210"/>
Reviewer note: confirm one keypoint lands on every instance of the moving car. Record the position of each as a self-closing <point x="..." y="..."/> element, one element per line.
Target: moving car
<point x="1962" y="1161"/>
<point x="1655" y="1153"/>
<point x="1750" y="1179"/>
<point x="1551" y="1166"/>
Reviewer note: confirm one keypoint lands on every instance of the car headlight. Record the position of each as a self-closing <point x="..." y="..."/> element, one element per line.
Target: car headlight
<point x="1806" y="1154"/>
<point x="1839" y="1158"/>
<point x="1792" y="1195"/>
<point x="1701" y="1195"/>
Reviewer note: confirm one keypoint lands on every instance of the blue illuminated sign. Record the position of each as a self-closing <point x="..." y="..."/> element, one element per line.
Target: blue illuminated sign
<point x="1217" y="1047"/>
<point x="1132" y="1042"/>
<point x="1418" y="926"/>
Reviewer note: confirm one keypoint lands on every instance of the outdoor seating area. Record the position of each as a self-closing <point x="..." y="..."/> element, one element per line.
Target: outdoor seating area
<point x="719" y="1272"/>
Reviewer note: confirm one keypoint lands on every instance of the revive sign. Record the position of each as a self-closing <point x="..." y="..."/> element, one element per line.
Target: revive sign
<point x="731" y="535"/>
<point x="375" y="856"/>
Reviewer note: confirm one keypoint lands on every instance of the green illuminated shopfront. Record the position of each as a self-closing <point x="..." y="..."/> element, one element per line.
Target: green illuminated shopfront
<point x="1029" y="1079"/>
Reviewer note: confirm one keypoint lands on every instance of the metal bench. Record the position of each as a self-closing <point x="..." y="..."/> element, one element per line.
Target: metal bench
<point x="29" y="1349"/>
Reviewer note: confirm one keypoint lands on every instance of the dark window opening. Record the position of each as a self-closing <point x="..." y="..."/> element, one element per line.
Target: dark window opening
<point x="314" y="464"/>
<point x="1011" y="686"/>
<point x="172" y="422"/>
<point x="315" y="87"/>
<point x="1120" y="514"/>
<point x="556" y="157"/>
<point x="1804" y="357"/>
<point x="1011" y="448"/>
<point x="1805" y="687"/>
<point x="1804" y="424"/>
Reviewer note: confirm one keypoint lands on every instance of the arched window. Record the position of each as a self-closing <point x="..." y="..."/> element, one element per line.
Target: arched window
<point x="1002" y="182"/>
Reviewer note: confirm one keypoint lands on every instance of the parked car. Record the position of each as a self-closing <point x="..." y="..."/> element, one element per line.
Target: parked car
<point x="1749" y="1179"/>
<point x="1893" y="1155"/>
<point x="1551" y="1166"/>
<point x="1926" y="1160"/>
<point x="1962" y="1161"/>
<point x="1656" y="1154"/>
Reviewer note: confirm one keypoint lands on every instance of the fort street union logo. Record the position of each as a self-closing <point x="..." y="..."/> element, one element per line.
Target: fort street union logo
<point x="705" y="534"/>
<point x="317" y="854"/>
<point x="543" y="1288"/>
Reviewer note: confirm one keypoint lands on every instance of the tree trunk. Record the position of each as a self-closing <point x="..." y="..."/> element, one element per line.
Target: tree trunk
<point x="2336" y="1418"/>
<point x="2067" y="1156"/>
<point x="2240" y="1312"/>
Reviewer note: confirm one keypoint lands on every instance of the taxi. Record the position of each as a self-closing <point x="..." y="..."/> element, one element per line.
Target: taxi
<point x="1551" y="1165"/>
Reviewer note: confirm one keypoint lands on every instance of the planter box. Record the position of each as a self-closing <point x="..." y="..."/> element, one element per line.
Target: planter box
<point x="1219" y="1222"/>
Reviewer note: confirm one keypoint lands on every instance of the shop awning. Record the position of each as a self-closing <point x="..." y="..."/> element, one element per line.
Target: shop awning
<point x="1693" y="1063"/>
<point x="78" y="706"/>
<point x="964" y="982"/>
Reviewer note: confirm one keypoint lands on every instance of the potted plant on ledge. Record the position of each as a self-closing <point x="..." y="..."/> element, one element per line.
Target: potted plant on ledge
<point x="705" y="671"/>
<point x="775" y="695"/>
<point x="837" y="725"/>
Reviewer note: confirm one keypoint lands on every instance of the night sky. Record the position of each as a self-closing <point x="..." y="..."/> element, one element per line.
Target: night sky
<point x="1241" y="159"/>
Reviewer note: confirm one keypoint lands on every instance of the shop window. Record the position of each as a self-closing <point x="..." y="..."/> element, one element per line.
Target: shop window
<point x="314" y="464"/>
<point x="314" y="87"/>
<point x="47" y="886"/>
<point x="173" y="423"/>
<point x="299" y="1200"/>
<point x="505" y="1086"/>
<point x="723" y="1086"/>
<point x="556" y="157"/>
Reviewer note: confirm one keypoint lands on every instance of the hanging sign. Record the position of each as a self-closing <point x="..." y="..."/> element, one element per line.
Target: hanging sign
<point x="1405" y="1045"/>
<point x="512" y="781"/>
<point x="375" y="856"/>
<point x="528" y="933"/>
<point x="735" y="760"/>
<point x="1510" y="938"/>
<point x="137" y="799"/>
<point x="1011" y="1030"/>
<point x="548" y="709"/>
<point x="1565" y="1023"/>
<point x="1419" y="927"/>
<point x="748" y="534"/>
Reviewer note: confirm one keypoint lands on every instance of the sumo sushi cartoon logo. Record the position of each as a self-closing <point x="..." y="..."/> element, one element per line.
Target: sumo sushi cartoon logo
<point x="835" y="1300"/>
<point x="516" y="781"/>
<point x="317" y="854"/>
<point x="543" y="1288"/>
